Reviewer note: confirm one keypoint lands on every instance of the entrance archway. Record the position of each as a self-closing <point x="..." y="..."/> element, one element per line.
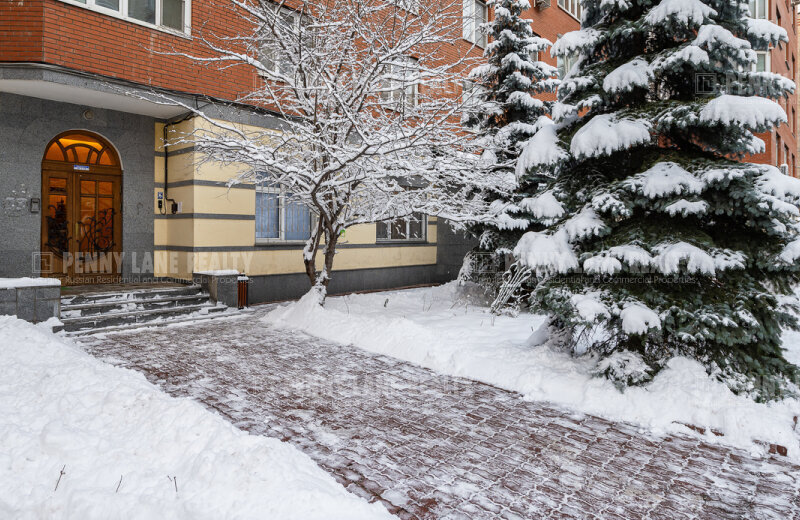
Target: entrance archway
<point x="81" y="202"/>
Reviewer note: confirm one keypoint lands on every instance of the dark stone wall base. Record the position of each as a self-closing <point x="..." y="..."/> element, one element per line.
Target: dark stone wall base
<point x="278" y="287"/>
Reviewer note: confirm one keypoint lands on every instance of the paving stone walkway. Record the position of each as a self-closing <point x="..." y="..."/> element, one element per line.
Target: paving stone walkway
<point x="431" y="446"/>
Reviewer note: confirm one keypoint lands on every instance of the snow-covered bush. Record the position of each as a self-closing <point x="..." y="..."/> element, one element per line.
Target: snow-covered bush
<point x="655" y="240"/>
<point x="624" y="368"/>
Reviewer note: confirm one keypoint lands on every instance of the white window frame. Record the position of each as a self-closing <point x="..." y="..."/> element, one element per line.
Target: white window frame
<point x="281" y="238"/>
<point x="763" y="4"/>
<point x="565" y="63"/>
<point x="412" y="6"/>
<point x="397" y="90"/>
<point x="472" y="30"/>
<point x="407" y="238"/>
<point x="571" y="7"/>
<point x="122" y="14"/>
<point x="285" y="13"/>
<point x="767" y="62"/>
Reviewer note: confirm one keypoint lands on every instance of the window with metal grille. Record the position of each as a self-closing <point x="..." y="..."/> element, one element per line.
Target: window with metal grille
<point x="280" y="217"/>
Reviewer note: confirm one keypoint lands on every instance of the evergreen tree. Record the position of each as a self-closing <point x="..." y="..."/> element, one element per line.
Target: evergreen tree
<point x="658" y="241"/>
<point x="508" y="89"/>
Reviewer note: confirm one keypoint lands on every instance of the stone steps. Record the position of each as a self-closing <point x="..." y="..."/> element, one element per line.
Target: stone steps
<point x="106" y="311"/>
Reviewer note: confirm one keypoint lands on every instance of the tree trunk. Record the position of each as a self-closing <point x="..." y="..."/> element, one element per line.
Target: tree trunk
<point x="320" y="280"/>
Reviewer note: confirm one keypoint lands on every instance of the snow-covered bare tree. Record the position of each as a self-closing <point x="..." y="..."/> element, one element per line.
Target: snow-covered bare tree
<point x="371" y="111"/>
<point x="658" y="243"/>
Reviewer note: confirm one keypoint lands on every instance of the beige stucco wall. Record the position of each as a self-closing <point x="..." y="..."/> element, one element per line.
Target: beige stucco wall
<point x="175" y="234"/>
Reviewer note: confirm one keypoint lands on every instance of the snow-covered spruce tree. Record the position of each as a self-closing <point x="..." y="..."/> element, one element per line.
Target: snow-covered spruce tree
<point x="658" y="242"/>
<point x="507" y="109"/>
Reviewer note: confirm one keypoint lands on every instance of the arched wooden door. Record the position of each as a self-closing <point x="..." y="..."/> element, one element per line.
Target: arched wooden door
<point x="81" y="217"/>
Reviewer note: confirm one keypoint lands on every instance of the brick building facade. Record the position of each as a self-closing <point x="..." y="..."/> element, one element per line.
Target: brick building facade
<point x="75" y="79"/>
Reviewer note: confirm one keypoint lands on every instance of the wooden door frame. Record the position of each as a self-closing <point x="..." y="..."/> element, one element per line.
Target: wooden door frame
<point x="73" y="175"/>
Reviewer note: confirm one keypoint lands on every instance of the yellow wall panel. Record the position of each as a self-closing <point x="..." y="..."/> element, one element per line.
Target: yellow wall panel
<point x="216" y="233"/>
<point x="219" y="199"/>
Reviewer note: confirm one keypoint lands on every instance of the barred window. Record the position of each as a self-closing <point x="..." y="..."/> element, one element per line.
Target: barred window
<point x="279" y="217"/>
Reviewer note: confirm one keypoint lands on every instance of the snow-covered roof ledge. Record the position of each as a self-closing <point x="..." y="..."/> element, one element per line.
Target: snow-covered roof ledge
<point x="13" y="283"/>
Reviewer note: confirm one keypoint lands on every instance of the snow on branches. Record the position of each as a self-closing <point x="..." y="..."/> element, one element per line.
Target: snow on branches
<point x="370" y="125"/>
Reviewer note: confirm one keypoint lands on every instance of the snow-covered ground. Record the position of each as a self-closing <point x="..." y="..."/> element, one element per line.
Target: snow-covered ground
<point x="129" y="451"/>
<point x="438" y="328"/>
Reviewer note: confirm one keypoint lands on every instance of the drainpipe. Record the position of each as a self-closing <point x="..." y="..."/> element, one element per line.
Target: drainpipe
<point x="174" y="205"/>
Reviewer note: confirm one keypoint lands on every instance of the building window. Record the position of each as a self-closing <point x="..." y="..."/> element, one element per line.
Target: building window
<point x="565" y="64"/>
<point x="279" y="218"/>
<point x="272" y="56"/>
<point x="475" y="15"/>
<point x="758" y="8"/>
<point x="411" y="229"/>
<point x="167" y="14"/>
<point x="573" y="7"/>
<point x="762" y="62"/>
<point x="412" y="6"/>
<point x="402" y="83"/>
<point x="472" y="97"/>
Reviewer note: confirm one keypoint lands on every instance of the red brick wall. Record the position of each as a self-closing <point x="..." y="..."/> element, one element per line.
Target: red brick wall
<point x="781" y="63"/>
<point x="21" y="30"/>
<point x="61" y="34"/>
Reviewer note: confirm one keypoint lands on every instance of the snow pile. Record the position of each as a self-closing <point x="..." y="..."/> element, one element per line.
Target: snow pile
<point x="715" y="37"/>
<point x="540" y="150"/>
<point x="589" y="306"/>
<point x="763" y="29"/>
<point x="635" y="73"/>
<point x="773" y="182"/>
<point x="121" y="444"/>
<point x="546" y="253"/>
<point x="638" y="319"/>
<point x="665" y="178"/>
<point x="435" y="328"/>
<point x="574" y="42"/>
<point x="604" y="134"/>
<point x="687" y="12"/>
<point x="583" y="225"/>
<point x="543" y="206"/>
<point x="11" y="283"/>
<point x="685" y="207"/>
<point x="749" y="111"/>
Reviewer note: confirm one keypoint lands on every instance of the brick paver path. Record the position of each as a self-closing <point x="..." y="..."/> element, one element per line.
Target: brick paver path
<point x="430" y="446"/>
